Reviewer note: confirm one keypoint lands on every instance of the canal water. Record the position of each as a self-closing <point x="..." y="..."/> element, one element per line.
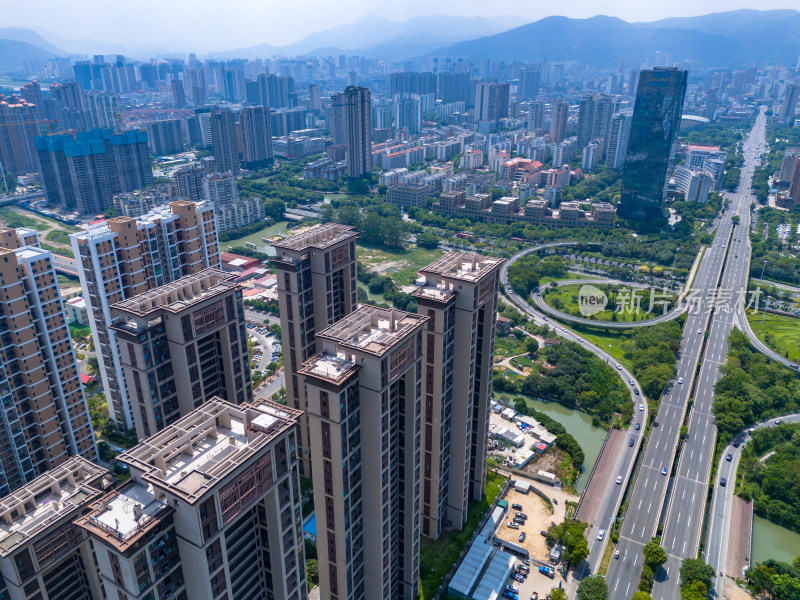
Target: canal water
<point x="773" y="541"/>
<point x="578" y="424"/>
<point x="255" y="238"/>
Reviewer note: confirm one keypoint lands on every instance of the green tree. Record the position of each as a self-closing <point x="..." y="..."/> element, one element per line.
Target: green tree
<point x="694" y="591"/>
<point x="428" y="240"/>
<point x="521" y="406"/>
<point x="694" y="569"/>
<point x="654" y="554"/>
<point x="579" y="552"/>
<point x="558" y="594"/>
<point x="642" y="596"/>
<point x="593" y="588"/>
<point x="312" y="571"/>
<point x="532" y="346"/>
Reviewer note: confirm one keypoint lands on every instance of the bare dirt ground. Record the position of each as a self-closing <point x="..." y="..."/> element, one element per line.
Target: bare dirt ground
<point x="734" y="592"/>
<point x="549" y="461"/>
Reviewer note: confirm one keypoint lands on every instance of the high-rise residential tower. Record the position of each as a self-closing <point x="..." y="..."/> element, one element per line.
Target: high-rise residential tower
<point x="491" y="101"/>
<point x="316" y="273"/>
<point x="558" y="121"/>
<point x="256" y="136"/>
<point x="45" y="419"/>
<point x="127" y="256"/>
<point x="459" y="297"/>
<point x="594" y="118"/>
<point x="225" y="140"/>
<point x="19" y="125"/>
<point x="618" y="133"/>
<point x="355" y="102"/>
<point x="789" y="106"/>
<point x="651" y="147"/>
<point x="182" y="344"/>
<point x="364" y="409"/>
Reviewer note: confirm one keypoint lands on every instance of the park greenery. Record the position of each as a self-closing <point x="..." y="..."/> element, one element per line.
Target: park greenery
<point x="778" y="580"/>
<point x="777" y="259"/>
<point x="377" y="223"/>
<point x="752" y="388"/>
<point x="526" y="273"/>
<point x="571" y="535"/>
<point x="697" y="577"/>
<point x="774" y="484"/>
<point x="384" y="285"/>
<point x="593" y="588"/>
<point x="624" y="303"/>
<point x="652" y="354"/>
<point x="571" y="375"/>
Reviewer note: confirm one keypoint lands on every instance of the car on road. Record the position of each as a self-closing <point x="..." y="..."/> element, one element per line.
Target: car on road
<point x="699" y="332"/>
<point x="516" y="506"/>
<point x="680" y="379"/>
<point x="616" y="553"/>
<point x="729" y="457"/>
<point x="630" y="381"/>
<point x="736" y="444"/>
<point x="641" y="406"/>
<point x="778" y="421"/>
<point x="638" y="426"/>
<point x="630" y="442"/>
<point x="723" y="482"/>
<point x="513" y="525"/>
<point x="601" y="534"/>
<point x="618" y="366"/>
<point x="663" y="470"/>
<point x="619" y="479"/>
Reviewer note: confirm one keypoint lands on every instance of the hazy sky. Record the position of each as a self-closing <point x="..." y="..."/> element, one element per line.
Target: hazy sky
<point x="205" y="25"/>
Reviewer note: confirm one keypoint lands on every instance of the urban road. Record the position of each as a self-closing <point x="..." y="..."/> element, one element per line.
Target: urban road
<point x="620" y="463"/>
<point x="708" y="324"/>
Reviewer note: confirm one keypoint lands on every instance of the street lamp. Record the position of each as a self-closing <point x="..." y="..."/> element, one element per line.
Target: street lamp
<point x="762" y="269"/>
<point x="608" y="358"/>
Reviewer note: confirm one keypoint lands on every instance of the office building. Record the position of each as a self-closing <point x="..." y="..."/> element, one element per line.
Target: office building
<point x="558" y="121"/>
<point x="651" y="146"/>
<point x="45" y="419"/>
<point x="711" y="104"/>
<point x="617" y="145"/>
<point x="165" y="137"/>
<point x="316" y="273"/>
<point x="695" y="185"/>
<point x="708" y="158"/>
<point x="81" y="171"/>
<point x="256" y="136"/>
<point x="124" y="257"/>
<point x="225" y="140"/>
<point x="594" y="118"/>
<point x="459" y="297"/>
<point x="491" y="101"/>
<point x="42" y="553"/>
<point x="182" y="344"/>
<point x="212" y="510"/>
<point x="190" y="183"/>
<point x="355" y="106"/>
<point x="789" y="106"/>
<point x="364" y="409"/>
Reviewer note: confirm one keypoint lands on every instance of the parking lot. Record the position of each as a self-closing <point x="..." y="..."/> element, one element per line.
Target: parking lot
<point x="539" y="519"/>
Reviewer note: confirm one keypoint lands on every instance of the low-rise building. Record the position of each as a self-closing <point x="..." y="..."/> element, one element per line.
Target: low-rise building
<point x="406" y="195"/>
<point x="76" y="311"/>
<point x="695" y="185"/>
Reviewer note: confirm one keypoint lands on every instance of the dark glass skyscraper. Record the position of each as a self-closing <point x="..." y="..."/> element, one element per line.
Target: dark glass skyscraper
<point x="651" y="148"/>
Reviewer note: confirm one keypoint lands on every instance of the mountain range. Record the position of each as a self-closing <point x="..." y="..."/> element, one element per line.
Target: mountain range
<point x="731" y="39"/>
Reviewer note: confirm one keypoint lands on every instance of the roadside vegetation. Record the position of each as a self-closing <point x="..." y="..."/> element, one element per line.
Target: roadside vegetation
<point x="778" y="580"/>
<point x="780" y="333"/>
<point x="626" y="304"/>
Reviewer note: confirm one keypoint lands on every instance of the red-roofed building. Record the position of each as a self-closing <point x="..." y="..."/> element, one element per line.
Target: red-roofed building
<point x="237" y="262"/>
<point x="87" y="379"/>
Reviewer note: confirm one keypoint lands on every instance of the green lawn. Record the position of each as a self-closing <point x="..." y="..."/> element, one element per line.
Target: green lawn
<point x="602" y="339"/>
<point x="522" y="362"/>
<point x="437" y="557"/>
<point x="401" y="266"/>
<point x="508" y="345"/>
<point x="780" y="333"/>
<point x="565" y="299"/>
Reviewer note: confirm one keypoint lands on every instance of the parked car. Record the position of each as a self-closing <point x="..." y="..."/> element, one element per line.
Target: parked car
<point x="516" y="506"/>
<point x="522" y="537"/>
<point x="521" y="515"/>
<point x="513" y="525"/>
<point x="512" y="588"/>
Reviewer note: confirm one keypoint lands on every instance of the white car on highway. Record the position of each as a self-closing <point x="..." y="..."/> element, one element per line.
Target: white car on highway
<point x="641" y="407"/>
<point x="601" y="534"/>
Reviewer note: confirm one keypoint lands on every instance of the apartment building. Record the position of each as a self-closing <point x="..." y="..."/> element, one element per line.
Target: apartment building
<point x="459" y="298"/>
<point x="181" y="344"/>
<point x="316" y="287"/>
<point x="212" y="510"/>
<point x="364" y="394"/>
<point x="45" y="419"/>
<point x="125" y="256"/>
<point x="42" y="553"/>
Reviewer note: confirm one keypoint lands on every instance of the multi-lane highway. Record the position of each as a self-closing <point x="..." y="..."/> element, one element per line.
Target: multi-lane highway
<point x="620" y="464"/>
<point x="684" y="518"/>
<point x="719" y="520"/>
<point x="654" y="478"/>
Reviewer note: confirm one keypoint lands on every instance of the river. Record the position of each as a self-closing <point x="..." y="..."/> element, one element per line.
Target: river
<point x="579" y="425"/>
<point x="773" y="541"/>
<point x="255" y="238"/>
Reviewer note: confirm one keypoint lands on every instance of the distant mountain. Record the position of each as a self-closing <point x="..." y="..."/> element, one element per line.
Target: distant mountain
<point x="28" y="36"/>
<point x="731" y="39"/>
<point x="378" y="37"/>
<point x="82" y="46"/>
<point x="14" y="53"/>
